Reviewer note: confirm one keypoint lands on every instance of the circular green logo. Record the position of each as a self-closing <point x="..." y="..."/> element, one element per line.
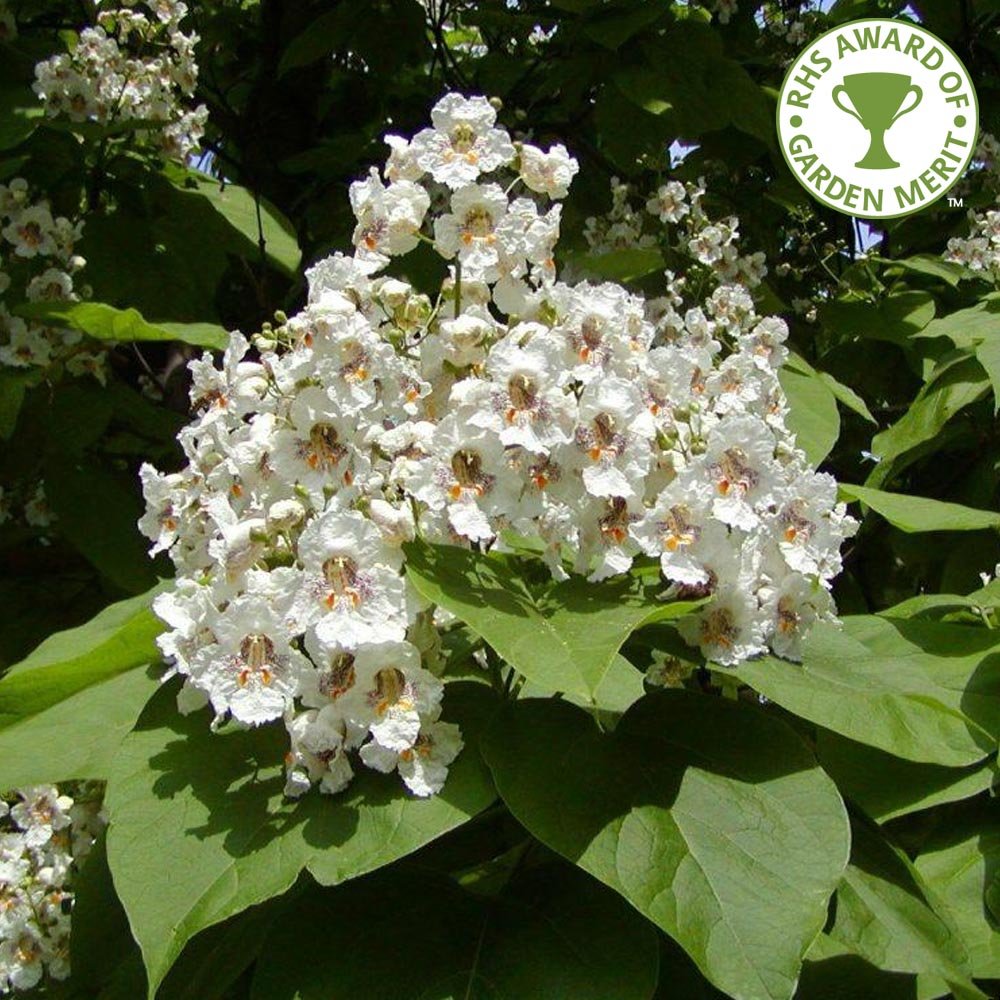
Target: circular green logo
<point x="878" y="118"/>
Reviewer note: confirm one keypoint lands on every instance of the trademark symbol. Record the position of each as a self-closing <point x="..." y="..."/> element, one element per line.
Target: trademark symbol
<point x="956" y="202"/>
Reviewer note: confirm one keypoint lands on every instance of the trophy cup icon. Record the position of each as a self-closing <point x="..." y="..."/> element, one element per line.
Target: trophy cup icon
<point x="877" y="100"/>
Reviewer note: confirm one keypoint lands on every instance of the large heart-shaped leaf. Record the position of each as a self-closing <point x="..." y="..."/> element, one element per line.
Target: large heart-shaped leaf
<point x="922" y="690"/>
<point x="534" y="939"/>
<point x="255" y="218"/>
<point x="958" y="862"/>
<point x="812" y="412"/>
<point x="563" y="636"/>
<point x="883" y="916"/>
<point x="119" y="639"/>
<point x="200" y="829"/>
<point x="833" y="972"/>
<point x="711" y="817"/>
<point x="886" y="786"/>
<point x="77" y="737"/>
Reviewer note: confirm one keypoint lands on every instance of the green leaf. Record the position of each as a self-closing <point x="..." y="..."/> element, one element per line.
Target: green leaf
<point x="104" y="322"/>
<point x="119" y="639"/>
<point x="710" y="816"/>
<point x="563" y="636"/>
<point x="189" y="249"/>
<point x="622" y="687"/>
<point x="13" y="385"/>
<point x="78" y="737"/>
<point x="924" y="691"/>
<point x="107" y="963"/>
<point x="256" y="218"/>
<point x="844" y="394"/>
<point x="992" y="895"/>
<point x="532" y="940"/>
<point x="932" y="267"/>
<point x="97" y="510"/>
<point x="968" y="327"/>
<point x="103" y="955"/>
<point x="813" y="416"/>
<point x="685" y="75"/>
<point x="916" y="514"/>
<point x="929" y="605"/>
<point x="213" y="805"/>
<point x="611" y="26"/>
<point x="20" y="114"/>
<point x="957" y="863"/>
<point x="882" y="916"/>
<point x="619" y="265"/>
<point x="986" y="598"/>
<point x="885" y="786"/>
<point x="958" y="387"/>
<point x="895" y="318"/>
<point x="833" y="972"/>
<point x="988" y="355"/>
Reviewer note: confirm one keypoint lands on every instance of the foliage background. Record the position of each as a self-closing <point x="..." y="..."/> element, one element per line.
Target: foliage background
<point x="899" y="362"/>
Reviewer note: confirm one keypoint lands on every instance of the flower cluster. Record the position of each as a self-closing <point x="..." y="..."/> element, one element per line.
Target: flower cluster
<point x="980" y="251"/>
<point x="43" y="836"/>
<point x="684" y="227"/>
<point x="38" y="263"/>
<point x="724" y="10"/>
<point x="511" y="405"/>
<point x="132" y="66"/>
<point x="621" y="227"/>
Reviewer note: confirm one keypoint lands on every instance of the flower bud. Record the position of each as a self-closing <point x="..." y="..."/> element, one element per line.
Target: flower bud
<point x="285" y="514"/>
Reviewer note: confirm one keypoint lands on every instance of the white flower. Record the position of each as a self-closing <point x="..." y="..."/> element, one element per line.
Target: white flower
<point x="522" y="401"/>
<point x="464" y="475"/>
<point x="251" y="670"/>
<point x="389" y="218"/>
<point x="43" y="836"/>
<point x="385" y="693"/>
<point x="669" y="204"/>
<point x="424" y="767"/>
<point x="41" y="812"/>
<point x="470" y="231"/>
<point x="402" y="163"/>
<point x="316" y="451"/>
<point x="463" y="143"/>
<point x="548" y="173"/>
<point x="791" y="608"/>
<point x="318" y="753"/>
<point x="740" y="463"/>
<point x="32" y="232"/>
<point x="26" y="346"/>
<point x="505" y="407"/>
<point x="37" y="512"/>
<point x="351" y="589"/>
<point x="613" y="437"/>
<point x="729" y="629"/>
<point x="677" y="528"/>
<point x="461" y="342"/>
<point x="51" y="285"/>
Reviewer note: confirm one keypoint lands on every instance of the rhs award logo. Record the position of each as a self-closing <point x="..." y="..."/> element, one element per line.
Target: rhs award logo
<point x="878" y="118"/>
